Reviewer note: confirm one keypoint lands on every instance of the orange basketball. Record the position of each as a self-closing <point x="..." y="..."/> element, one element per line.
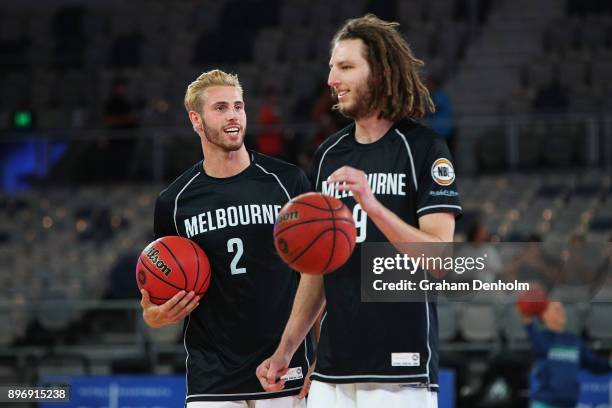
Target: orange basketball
<point x="314" y="233"/>
<point x="171" y="264"/>
<point x="533" y="302"/>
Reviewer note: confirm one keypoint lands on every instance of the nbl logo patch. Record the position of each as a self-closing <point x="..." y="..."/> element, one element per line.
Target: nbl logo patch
<point x="442" y="172"/>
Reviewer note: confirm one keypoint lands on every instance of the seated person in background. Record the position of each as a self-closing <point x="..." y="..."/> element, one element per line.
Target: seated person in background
<point x="533" y="265"/>
<point x="118" y="110"/>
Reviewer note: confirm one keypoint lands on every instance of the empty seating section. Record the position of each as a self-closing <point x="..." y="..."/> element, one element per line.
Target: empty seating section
<point x="63" y="58"/>
<point x="64" y="244"/>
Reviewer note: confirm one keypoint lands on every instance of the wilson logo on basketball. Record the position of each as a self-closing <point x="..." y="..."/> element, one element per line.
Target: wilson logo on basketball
<point x="152" y="254"/>
<point x="290" y="216"/>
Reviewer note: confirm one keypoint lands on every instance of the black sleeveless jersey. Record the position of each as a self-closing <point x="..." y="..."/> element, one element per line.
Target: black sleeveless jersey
<point x="241" y="318"/>
<point x="410" y="172"/>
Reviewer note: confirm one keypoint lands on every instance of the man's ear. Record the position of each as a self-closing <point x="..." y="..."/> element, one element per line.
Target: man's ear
<point x="196" y="121"/>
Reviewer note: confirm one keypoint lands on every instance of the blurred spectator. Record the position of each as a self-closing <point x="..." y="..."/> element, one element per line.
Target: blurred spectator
<point x="325" y="120"/>
<point x="559" y="356"/>
<point x="551" y="98"/>
<point x="119" y="113"/>
<point x="118" y="110"/>
<point x="577" y="268"/>
<point x="123" y="285"/>
<point x="270" y="138"/>
<point x="441" y="121"/>
<point x="479" y="243"/>
<point x="532" y="265"/>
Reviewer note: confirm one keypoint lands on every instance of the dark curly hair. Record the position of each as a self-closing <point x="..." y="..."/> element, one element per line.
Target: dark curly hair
<point x="395" y="86"/>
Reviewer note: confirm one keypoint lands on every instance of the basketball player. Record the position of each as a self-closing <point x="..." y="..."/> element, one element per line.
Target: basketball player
<point x="375" y="354"/>
<point x="227" y="204"/>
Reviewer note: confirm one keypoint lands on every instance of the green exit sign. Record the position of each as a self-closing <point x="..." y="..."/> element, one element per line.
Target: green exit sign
<point x="22" y="119"/>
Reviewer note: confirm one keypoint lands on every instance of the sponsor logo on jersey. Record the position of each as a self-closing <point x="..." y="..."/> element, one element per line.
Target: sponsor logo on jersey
<point x="153" y="255"/>
<point x="446" y="193"/>
<point x="294" y="373"/>
<point x="442" y="172"/>
<point x="405" y="359"/>
<point x="568" y="354"/>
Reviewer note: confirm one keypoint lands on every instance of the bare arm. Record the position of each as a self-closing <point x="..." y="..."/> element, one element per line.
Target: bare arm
<point x="308" y="303"/>
<point x="437" y="227"/>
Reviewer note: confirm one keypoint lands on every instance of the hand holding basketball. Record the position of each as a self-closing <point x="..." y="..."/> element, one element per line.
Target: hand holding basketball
<point x="174" y="310"/>
<point x="170" y="265"/>
<point x="314" y="233"/>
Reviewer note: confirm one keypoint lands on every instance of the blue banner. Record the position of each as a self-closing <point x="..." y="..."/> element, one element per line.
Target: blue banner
<point x="163" y="391"/>
<point x="446" y="395"/>
<point x="595" y="390"/>
<point x="155" y="391"/>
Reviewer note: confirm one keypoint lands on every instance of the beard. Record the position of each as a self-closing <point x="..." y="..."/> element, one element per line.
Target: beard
<point x="216" y="137"/>
<point x="360" y="107"/>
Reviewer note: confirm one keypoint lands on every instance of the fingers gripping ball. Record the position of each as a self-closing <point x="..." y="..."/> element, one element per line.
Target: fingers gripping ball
<point x="314" y="233"/>
<point x="171" y="264"/>
<point x="533" y="302"/>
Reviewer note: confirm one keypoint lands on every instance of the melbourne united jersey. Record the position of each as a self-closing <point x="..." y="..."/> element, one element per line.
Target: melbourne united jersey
<point x="240" y="319"/>
<point x="410" y="172"/>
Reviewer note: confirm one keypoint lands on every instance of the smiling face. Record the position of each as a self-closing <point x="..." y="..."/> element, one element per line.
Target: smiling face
<point x="223" y="119"/>
<point x="349" y="75"/>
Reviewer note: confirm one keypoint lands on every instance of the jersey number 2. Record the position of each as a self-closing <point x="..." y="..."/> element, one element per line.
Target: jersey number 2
<point x="235" y="245"/>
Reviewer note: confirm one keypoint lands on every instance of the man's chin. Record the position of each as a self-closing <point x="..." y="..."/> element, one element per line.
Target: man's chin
<point x="345" y="110"/>
<point x="232" y="147"/>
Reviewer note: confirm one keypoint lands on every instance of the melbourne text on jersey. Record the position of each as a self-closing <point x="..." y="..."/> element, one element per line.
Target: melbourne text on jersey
<point x="231" y="217"/>
<point x="380" y="183"/>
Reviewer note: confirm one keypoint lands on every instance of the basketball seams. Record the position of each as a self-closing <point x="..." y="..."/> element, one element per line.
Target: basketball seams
<point x="312" y="242"/>
<point x="333" y="248"/>
<point x="158" y="298"/>
<point x="348" y="239"/>
<point x="347" y="220"/>
<point x="154" y="274"/>
<point x="177" y="262"/>
<point x="316" y="207"/>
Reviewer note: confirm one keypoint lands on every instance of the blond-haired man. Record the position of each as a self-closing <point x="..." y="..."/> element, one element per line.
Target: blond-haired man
<point x="227" y="204"/>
